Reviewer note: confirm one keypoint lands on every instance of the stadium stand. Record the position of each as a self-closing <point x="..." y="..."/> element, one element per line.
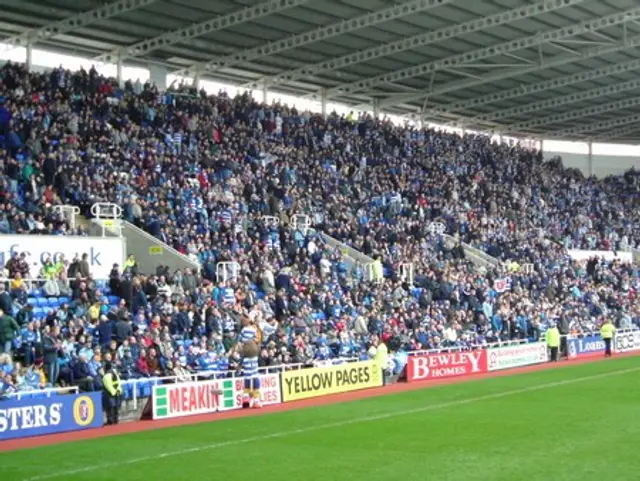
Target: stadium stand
<point x="276" y="190"/>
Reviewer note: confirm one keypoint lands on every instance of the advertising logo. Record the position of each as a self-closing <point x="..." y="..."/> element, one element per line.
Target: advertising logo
<point x="83" y="411"/>
<point x="585" y="346"/>
<point x="185" y="399"/>
<point x="446" y="364"/>
<point x="57" y="414"/>
<point x="627" y="341"/>
<point x="321" y="381"/>
<point x="516" y="356"/>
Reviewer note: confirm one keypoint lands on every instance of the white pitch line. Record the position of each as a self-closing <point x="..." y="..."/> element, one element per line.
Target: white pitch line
<point x="319" y="427"/>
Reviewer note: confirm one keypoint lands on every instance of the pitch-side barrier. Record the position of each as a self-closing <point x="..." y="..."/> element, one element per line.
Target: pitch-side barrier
<point x="218" y="392"/>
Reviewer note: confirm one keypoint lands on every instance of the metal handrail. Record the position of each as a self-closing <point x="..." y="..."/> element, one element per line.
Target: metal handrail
<point x="48" y="392"/>
<point x="514" y="342"/>
<point x="227" y="374"/>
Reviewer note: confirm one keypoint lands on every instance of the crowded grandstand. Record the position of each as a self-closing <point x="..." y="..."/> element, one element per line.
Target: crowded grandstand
<point x="223" y="180"/>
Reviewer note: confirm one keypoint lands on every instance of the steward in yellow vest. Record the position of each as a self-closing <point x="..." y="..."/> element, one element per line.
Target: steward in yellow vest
<point x="111" y="392"/>
<point x="553" y="341"/>
<point x="606" y="333"/>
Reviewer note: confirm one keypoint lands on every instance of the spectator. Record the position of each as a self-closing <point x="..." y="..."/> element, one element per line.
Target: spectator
<point x="82" y="374"/>
<point x="51" y="347"/>
<point x="8" y="330"/>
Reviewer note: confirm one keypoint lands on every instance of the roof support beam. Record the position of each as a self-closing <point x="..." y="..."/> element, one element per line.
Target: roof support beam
<point x="575" y="114"/>
<point x="525" y="89"/>
<point x="618" y="133"/>
<point x="75" y="22"/>
<point x="559" y="101"/>
<point x="536" y="88"/>
<point x="488" y="52"/>
<point x="203" y="28"/>
<point x="317" y="35"/>
<point x="422" y="40"/>
<point x="606" y="125"/>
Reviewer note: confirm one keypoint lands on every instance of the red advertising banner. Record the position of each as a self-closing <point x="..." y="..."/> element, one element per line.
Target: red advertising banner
<point x="446" y="364"/>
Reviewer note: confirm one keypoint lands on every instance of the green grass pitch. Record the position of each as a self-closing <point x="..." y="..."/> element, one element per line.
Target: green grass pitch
<point x="574" y="423"/>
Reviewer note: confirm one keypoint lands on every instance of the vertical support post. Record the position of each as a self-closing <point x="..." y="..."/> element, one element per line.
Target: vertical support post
<point x="196" y="79"/>
<point x="323" y="102"/>
<point x="265" y="92"/>
<point x="590" y="159"/>
<point x="29" y="59"/>
<point x="376" y="108"/>
<point x="119" y="75"/>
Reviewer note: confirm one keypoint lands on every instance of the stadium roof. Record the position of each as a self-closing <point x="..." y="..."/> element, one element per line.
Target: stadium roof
<point x="546" y="68"/>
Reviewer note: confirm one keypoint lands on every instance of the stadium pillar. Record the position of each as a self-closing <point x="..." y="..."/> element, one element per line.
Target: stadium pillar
<point x="323" y="102"/>
<point x="265" y="92"/>
<point x="590" y="159"/>
<point x="376" y="108"/>
<point x="29" y="59"/>
<point x="119" y="75"/>
<point x="158" y="75"/>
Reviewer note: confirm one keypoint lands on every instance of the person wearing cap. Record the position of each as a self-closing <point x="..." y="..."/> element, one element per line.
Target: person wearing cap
<point x="111" y="393"/>
<point x="606" y="333"/>
<point x="553" y="341"/>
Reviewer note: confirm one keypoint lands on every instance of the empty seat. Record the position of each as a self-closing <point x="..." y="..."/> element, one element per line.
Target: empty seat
<point x="54" y="302"/>
<point x="64" y="300"/>
<point x="42" y="301"/>
<point x="32" y="301"/>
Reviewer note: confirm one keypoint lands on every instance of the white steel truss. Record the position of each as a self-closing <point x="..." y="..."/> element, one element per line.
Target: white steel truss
<point x="558" y="101"/>
<point x="75" y="22"/>
<point x="535" y="88"/>
<point x="575" y="114"/>
<point x="617" y="133"/>
<point x="421" y="40"/>
<point x="487" y="52"/>
<point x="218" y="23"/>
<point x="317" y="35"/>
<point x="605" y="125"/>
<point x="630" y="43"/>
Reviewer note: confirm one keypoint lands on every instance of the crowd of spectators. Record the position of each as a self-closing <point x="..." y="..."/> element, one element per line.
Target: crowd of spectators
<point x="209" y="174"/>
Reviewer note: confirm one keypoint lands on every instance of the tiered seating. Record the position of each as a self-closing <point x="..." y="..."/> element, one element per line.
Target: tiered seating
<point x="201" y="172"/>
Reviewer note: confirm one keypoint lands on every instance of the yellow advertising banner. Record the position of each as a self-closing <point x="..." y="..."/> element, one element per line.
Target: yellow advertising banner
<point x="321" y="381"/>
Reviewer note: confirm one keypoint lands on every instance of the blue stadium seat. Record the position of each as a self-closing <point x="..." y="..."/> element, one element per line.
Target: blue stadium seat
<point x="38" y="313"/>
<point x="36" y="293"/>
<point x="106" y="291"/>
<point x="54" y="302"/>
<point x="32" y="301"/>
<point x="127" y="391"/>
<point x="114" y="300"/>
<point x="64" y="300"/>
<point x="42" y="302"/>
<point x="101" y="284"/>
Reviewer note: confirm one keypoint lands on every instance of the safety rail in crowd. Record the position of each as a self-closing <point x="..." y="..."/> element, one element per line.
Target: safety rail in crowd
<point x="444" y="350"/>
<point x="38" y="282"/>
<point x="108" y="216"/>
<point x="635" y="253"/>
<point x="68" y="213"/>
<point x="48" y="392"/>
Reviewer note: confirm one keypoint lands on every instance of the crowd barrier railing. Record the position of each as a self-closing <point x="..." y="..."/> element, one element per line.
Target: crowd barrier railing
<point x="142" y="387"/>
<point x="42" y="393"/>
<point x="33" y="283"/>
